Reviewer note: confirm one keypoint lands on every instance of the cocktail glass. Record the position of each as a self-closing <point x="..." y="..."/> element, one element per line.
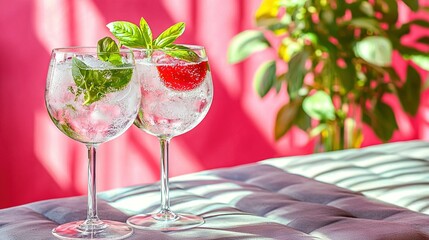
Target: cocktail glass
<point x="176" y="96"/>
<point x="92" y="101"/>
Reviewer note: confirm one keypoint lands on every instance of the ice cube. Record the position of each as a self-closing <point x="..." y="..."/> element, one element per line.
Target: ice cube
<point x="94" y="62"/>
<point x="160" y="57"/>
<point x="60" y="81"/>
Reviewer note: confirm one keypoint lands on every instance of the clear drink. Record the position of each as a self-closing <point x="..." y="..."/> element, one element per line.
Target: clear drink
<point x="95" y="123"/>
<point x="168" y="111"/>
<point x="92" y="96"/>
<point x="177" y="92"/>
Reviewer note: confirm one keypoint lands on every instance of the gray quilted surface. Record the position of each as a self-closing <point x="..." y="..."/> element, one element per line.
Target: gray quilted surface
<point x="397" y="173"/>
<point x="256" y="201"/>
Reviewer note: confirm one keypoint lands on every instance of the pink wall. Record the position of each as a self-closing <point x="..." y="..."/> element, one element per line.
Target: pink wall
<point x="39" y="162"/>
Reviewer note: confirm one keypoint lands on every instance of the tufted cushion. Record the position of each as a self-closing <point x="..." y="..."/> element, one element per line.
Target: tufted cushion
<point x="256" y="201"/>
<point x="397" y="173"/>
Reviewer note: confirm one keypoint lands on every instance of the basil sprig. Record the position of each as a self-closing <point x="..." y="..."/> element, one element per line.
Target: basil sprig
<point x="95" y="83"/>
<point x="134" y="36"/>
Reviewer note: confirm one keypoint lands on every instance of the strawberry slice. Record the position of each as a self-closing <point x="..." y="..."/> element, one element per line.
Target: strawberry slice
<point x="183" y="77"/>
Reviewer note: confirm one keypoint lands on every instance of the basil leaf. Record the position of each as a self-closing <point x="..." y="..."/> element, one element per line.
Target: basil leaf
<point x="182" y="52"/>
<point x="108" y="51"/>
<point x="128" y="34"/>
<point x="79" y="73"/>
<point x="119" y="78"/>
<point x="96" y="83"/>
<point x="87" y="81"/>
<point x="65" y="128"/>
<point x="146" y="33"/>
<point x="169" y="35"/>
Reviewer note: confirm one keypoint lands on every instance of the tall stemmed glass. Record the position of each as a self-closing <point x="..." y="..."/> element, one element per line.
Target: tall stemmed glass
<point x="92" y="101"/>
<point x="176" y="96"/>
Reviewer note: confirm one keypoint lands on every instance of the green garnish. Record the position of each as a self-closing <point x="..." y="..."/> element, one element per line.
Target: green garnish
<point x="96" y="83"/>
<point x="133" y="36"/>
<point x="108" y="51"/>
<point x="65" y="128"/>
<point x="182" y="52"/>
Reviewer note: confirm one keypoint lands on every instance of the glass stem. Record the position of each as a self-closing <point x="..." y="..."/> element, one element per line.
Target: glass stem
<point x="92" y="186"/>
<point x="92" y="221"/>
<point x="165" y="212"/>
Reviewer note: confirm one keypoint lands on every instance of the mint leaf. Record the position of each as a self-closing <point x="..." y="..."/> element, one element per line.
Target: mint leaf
<point x="108" y="51"/>
<point x="169" y="35"/>
<point x="128" y="34"/>
<point x="182" y="52"/>
<point x="146" y="33"/>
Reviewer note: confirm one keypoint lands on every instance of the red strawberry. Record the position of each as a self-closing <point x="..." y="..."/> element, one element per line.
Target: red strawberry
<point x="183" y="77"/>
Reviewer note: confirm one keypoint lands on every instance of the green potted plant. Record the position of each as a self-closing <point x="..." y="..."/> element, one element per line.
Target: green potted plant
<point x="338" y="61"/>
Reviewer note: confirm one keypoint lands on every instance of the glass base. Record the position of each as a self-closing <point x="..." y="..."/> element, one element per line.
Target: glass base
<point x="106" y="230"/>
<point x="158" y="221"/>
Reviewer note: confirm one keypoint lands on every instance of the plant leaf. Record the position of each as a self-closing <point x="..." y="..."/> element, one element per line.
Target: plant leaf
<point x="347" y="76"/>
<point x="391" y="15"/>
<point x="409" y="93"/>
<point x="376" y="50"/>
<point x="302" y="120"/>
<point x="146" y="33"/>
<point x="246" y="43"/>
<point x="128" y="34"/>
<point x="169" y="35"/>
<point x="280" y="79"/>
<point x="394" y="77"/>
<point x="421" y="61"/>
<point x="382" y="121"/>
<point x="288" y="48"/>
<point x="366" y="23"/>
<point x="424" y="40"/>
<point x="296" y="73"/>
<point x="108" y="51"/>
<point x="319" y="106"/>
<point x="420" y="22"/>
<point x="408" y="52"/>
<point x="265" y="78"/>
<point x="366" y="8"/>
<point x="278" y="28"/>
<point x="412" y="4"/>
<point x="285" y="118"/>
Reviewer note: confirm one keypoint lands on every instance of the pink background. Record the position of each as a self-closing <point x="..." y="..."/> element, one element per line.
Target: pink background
<point x="38" y="162"/>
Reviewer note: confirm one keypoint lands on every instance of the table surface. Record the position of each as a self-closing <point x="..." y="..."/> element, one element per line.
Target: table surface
<point x="255" y="201"/>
